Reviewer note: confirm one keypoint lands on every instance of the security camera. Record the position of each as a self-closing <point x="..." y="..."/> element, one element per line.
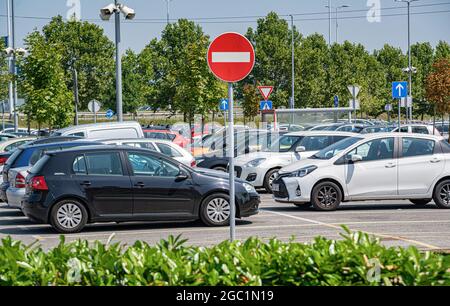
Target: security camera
<point x="107" y="11"/>
<point x="9" y="51"/>
<point x="127" y="12"/>
<point x="21" y="51"/>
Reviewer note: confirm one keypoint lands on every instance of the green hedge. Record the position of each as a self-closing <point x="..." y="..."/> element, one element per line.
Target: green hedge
<point x="324" y="262"/>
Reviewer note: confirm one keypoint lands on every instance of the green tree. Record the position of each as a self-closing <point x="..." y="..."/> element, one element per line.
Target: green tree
<point x="422" y="56"/>
<point x="442" y="50"/>
<point x="4" y="73"/>
<point x="136" y="82"/>
<point x="84" y="45"/>
<point x="250" y="101"/>
<point x="42" y="82"/>
<point x="272" y="42"/>
<point x="181" y="75"/>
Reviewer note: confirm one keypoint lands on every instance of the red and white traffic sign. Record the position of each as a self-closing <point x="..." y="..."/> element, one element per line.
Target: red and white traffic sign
<point x="265" y="91"/>
<point x="231" y="57"/>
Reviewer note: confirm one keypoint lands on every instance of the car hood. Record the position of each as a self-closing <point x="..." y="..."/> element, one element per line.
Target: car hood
<point x="215" y="173"/>
<point x="243" y="159"/>
<point x="303" y="163"/>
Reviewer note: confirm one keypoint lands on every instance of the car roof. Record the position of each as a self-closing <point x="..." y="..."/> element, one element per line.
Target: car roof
<point x="321" y="133"/>
<point x="395" y="134"/>
<point x="135" y="140"/>
<point x="102" y="124"/>
<point x="56" y="144"/>
<point x="102" y="147"/>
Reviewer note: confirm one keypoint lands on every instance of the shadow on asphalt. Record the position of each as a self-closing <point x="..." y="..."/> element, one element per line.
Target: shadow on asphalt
<point x="41" y="229"/>
<point x="354" y="207"/>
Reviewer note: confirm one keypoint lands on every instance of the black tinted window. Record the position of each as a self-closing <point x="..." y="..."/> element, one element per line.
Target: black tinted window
<point x="103" y="164"/>
<point x="79" y="165"/>
<point x="315" y="143"/>
<point x="417" y="147"/>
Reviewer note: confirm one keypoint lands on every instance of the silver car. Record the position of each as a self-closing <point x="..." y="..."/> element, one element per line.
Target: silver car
<point x="16" y="189"/>
<point x="260" y="168"/>
<point x="162" y="146"/>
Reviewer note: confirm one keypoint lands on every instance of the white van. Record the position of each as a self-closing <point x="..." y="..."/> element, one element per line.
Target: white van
<point x="103" y="130"/>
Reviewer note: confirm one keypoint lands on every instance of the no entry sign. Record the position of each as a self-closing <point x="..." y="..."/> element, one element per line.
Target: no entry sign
<point x="231" y="57"/>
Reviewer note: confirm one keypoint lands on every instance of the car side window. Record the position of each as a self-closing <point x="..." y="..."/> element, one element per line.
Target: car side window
<point x="148" y="165"/>
<point x="315" y="143"/>
<point x="404" y="129"/>
<point x="78" y="134"/>
<point x="103" y="164"/>
<point x="420" y="130"/>
<point x="417" y="147"/>
<point x="79" y="165"/>
<point x="143" y="145"/>
<point x="168" y="150"/>
<point x="377" y="149"/>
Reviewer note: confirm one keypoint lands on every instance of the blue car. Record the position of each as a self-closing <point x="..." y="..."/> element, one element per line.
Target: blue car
<point x="27" y="156"/>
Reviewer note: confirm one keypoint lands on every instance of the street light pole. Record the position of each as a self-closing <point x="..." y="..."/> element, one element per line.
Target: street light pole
<point x="13" y="45"/>
<point x="168" y="10"/>
<point x="329" y="22"/>
<point x="119" y="105"/>
<point x="292" y="63"/>
<point x="10" y="61"/>
<point x="337" y="19"/>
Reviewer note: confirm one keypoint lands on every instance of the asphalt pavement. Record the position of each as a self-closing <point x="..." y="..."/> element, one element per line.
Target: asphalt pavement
<point x="396" y="223"/>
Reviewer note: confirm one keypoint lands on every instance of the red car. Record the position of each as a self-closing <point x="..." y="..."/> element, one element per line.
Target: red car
<point x="172" y="136"/>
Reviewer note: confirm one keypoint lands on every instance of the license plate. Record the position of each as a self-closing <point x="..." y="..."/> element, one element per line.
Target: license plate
<point x="275" y="187"/>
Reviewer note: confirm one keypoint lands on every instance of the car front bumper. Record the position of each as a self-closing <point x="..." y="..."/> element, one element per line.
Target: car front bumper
<point x="293" y="189"/>
<point x="15" y="196"/>
<point x="249" y="206"/>
<point x="253" y="175"/>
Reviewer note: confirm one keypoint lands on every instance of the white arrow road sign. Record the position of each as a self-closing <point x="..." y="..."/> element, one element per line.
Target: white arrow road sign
<point x="400" y="89"/>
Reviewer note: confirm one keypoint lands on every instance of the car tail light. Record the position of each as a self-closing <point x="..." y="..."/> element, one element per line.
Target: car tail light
<point x="38" y="183"/>
<point x="3" y="160"/>
<point x="20" y="181"/>
<point x="193" y="163"/>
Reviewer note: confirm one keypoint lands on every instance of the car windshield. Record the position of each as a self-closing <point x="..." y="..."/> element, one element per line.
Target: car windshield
<point x="331" y="151"/>
<point x="283" y="144"/>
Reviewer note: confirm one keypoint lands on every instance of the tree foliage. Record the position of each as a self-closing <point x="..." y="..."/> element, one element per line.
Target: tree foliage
<point x="48" y="100"/>
<point x="250" y="101"/>
<point x="4" y="73"/>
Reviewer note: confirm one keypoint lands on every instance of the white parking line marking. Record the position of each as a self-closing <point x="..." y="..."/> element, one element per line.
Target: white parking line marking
<point x="429" y="246"/>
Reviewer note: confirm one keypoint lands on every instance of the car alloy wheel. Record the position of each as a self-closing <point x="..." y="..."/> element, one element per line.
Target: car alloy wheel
<point x="218" y="210"/>
<point x="327" y="196"/>
<point x="444" y="194"/>
<point x="69" y="216"/>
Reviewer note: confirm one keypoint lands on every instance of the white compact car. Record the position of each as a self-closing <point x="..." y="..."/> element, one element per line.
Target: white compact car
<point x="163" y="146"/>
<point x="418" y="129"/>
<point x="384" y="166"/>
<point x="260" y="168"/>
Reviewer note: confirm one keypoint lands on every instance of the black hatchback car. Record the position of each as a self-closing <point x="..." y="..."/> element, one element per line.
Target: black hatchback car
<point x="103" y="184"/>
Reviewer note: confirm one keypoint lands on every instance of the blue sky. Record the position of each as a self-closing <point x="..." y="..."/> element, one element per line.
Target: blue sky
<point x="136" y="34"/>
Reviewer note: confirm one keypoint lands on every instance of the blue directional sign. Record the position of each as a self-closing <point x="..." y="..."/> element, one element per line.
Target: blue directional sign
<point x="223" y="105"/>
<point x="336" y="101"/>
<point x="265" y="105"/>
<point x="399" y="90"/>
<point x="109" y="113"/>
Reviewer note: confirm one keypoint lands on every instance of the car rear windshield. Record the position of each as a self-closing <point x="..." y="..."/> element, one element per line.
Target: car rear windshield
<point x="445" y="146"/>
<point x="334" y="149"/>
<point x="39" y="165"/>
<point x="14" y="156"/>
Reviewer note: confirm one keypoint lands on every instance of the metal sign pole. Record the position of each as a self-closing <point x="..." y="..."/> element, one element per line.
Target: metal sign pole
<point x="399" y="113"/>
<point x="231" y="164"/>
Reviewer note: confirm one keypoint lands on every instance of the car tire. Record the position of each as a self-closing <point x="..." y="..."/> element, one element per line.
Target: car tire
<point x="220" y="168"/>
<point x="442" y="194"/>
<point x="68" y="216"/>
<point x="326" y="196"/>
<point x="268" y="179"/>
<point x="420" y="202"/>
<point x="216" y="210"/>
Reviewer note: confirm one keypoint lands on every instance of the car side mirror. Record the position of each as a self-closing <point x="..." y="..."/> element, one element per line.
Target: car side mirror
<point x="182" y="176"/>
<point x="300" y="149"/>
<point x="356" y="158"/>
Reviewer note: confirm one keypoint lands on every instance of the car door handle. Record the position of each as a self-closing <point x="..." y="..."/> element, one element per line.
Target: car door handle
<point x="86" y="183"/>
<point x="435" y="160"/>
<point x="140" y="184"/>
<point x="390" y="165"/>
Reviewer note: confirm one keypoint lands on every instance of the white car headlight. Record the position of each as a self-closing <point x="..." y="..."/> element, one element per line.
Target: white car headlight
<point x="249" y="188"/>
<point x="255" y="162"/>
<point x="303" y="172"/>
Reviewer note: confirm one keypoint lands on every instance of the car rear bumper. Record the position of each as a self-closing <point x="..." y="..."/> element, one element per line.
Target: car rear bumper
<point x="15" y="196"/>
<point x="3" y="187"/>
<point x="34" y="210"/>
